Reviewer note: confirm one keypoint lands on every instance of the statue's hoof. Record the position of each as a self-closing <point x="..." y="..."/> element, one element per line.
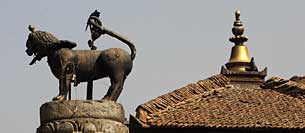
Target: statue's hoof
<point x="107" y="98"/>
<point x="59" y="98"/>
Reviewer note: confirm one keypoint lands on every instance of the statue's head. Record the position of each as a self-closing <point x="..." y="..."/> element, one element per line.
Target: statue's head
<point x="37" y="43"/>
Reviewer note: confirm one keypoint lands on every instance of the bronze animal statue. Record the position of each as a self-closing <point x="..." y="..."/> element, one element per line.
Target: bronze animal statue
<point x="78" y="66"/>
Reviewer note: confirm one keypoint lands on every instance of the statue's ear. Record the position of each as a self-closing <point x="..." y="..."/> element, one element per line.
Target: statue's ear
<point x="67" y="44"/>
<point x="63" y="44"/>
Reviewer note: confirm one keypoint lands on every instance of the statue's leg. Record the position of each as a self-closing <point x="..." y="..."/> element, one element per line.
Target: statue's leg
<point x="69" y="93"/>
<point x="68" y="85"/>
<point x="62" y="90"/>
<point x="69" y="71"/>
<point x="117" y="93"/>
<point x="65" y="83"/>
<point x="89" y="90"/>
<point x="115" y="88"/>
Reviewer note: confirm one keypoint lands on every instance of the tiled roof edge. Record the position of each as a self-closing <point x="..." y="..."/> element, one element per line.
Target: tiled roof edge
<point x="289" y="87"/>
<point x="244" y="127"/>
<point x="177" y="96"/>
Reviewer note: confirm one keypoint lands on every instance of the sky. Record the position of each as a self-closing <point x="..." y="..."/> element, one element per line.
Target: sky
<point x="178" y="42"/>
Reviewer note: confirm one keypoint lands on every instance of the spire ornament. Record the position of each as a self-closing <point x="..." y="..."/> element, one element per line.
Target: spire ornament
<point x="239" y="52"/>
<point x="238" y="31"/>
<point x="240" y="68"/>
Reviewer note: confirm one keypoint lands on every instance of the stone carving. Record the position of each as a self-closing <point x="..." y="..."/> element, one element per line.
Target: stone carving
<point x="78" y="66"/>
<point x="76" y="116"/>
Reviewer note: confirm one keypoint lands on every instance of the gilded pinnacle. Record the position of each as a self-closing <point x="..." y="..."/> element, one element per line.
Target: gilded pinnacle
<point x="238" y="31"/>
<point x="239" y="52"/>
<point x="237" y="15"/>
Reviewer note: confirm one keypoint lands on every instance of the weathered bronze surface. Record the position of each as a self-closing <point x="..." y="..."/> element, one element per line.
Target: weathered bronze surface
<point x="78" y="66"/>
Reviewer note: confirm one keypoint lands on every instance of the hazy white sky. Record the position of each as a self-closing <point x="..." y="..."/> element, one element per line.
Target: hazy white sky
<point x="178" y="42"/>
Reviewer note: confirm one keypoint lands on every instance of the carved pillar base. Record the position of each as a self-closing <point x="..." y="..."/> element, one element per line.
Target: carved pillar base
<point x="82" y="116"/>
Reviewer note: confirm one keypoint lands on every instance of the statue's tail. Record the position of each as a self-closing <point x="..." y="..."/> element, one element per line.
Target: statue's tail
<point x="103" y="30"/>
<point x="124" y="40"/>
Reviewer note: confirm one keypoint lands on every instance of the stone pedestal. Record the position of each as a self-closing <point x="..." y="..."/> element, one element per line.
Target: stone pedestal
<point x="82" y="116"/>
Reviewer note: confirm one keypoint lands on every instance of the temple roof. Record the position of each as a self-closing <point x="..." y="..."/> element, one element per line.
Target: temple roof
<point x="215" y="103"/>
<point x="238" y="98"/>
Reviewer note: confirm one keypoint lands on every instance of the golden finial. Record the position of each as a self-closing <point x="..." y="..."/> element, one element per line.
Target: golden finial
<point x="238" y="31"/>
<point x="240" y="69"/>
<point x="239" y="52"/>
<point x="237" y="15"/>
<point x="31" y="28"/>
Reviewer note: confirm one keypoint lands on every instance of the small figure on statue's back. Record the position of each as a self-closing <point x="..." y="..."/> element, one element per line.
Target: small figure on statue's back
<point x="93" y="23"/>
<point x="96" y="29"/>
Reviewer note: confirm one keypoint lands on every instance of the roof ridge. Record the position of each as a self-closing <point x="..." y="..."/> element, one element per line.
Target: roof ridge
<point x="288" y="87"/>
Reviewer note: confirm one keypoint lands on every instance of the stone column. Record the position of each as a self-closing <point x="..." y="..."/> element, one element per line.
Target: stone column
<point x="82" y="116"/>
